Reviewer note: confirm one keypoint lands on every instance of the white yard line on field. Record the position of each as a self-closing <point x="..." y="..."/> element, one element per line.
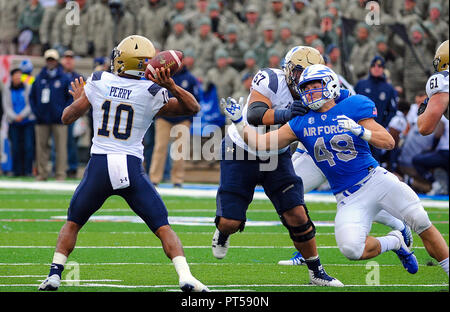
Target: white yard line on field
<point x="187" y="192"/>
<point x="225" y="286"/>
<point x="159" y="247"/>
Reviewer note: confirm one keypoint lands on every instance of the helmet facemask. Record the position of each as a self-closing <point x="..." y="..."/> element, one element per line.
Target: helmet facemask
<point x="326" y="90"/>
<point x="293" y="73"/>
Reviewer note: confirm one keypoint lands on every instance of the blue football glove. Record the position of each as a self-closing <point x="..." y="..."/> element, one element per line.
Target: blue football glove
<point x="298" y="109"/>
<point x="232" y="109"/>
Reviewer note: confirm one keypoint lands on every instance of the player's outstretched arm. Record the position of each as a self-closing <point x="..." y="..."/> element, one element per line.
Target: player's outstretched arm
<point x="380" y="137"/>
<point x="183" y="103"/>
<point x="79" y="106"/>
<point x="260" y="111"/>
<point x="272" y="140"/>
<point x="428" y="120"/>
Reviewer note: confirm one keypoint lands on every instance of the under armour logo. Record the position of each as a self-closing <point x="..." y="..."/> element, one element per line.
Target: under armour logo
<point x="230" y="149"/>
<point x="123" y="180"/>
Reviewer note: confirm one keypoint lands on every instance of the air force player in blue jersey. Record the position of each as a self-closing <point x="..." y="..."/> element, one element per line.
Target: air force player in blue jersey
<point x="337" y="136"/>
<point x="123" y="106"/>
<point x="271" y="102"/>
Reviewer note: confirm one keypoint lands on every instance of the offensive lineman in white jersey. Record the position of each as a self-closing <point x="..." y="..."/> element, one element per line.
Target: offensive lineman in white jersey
<point x="436" y="105"/>
<point x="124" y="106"/>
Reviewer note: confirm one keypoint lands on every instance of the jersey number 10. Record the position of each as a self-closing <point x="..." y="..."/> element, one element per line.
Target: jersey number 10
<point x="103" y="131"/>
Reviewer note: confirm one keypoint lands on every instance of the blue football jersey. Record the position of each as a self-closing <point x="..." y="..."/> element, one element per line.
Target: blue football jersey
<point x="343" y="157"/>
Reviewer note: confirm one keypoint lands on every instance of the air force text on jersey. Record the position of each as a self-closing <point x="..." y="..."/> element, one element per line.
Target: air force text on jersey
<point x="120" y="93"/>
<point x="314" y="131"/>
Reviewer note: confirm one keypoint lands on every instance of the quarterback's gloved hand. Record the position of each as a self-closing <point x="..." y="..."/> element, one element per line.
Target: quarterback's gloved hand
<point x="298" y="109"/>
<point x="422" y="107"/>
<point x="349" y="124"/>
<point x="232" y="109"/>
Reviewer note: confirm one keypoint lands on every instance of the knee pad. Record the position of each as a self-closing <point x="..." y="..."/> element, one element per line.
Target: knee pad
<point x="417" y="218"/>
<point x="294" y="231"/>
<point x="352" y="251"/>
<point x="240" y="228"/>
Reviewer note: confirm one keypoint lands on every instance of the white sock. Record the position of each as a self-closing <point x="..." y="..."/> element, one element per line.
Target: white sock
<point x="59" y="258"/>
<point x="389" y="243"/>
<point x="387" y="219"/>
<point x="444" y="265"/>
<point x="181" y="267"/>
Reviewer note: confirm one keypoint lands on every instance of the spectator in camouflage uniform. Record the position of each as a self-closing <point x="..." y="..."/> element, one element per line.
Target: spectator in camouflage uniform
<point x="303" y="16"/>
<point x="9" y="14"/>
<point x="252" y="25"/>
<point x="362" y="52"/>
<point x="274" y="58"/>
<point x="224" y="77"/>
<point x="409" y="14"/>
<point x="277" y="14"/>
<point x="205" y="44"/>
<point x="286" y="39"/>
<point x="414" y="78"/>
<point x="264" y="44"/>
<point x="393" y="61"/>
<point x="179" y="39"/>
<point x="111" y="23"/>
<point x="439" y="26"/>
<point x="152" y="22"/>
<point x="250" y="63"/>
<point x="79" y="38"/>
<point x="310" y="35"/>
<point x="30" y="19"/>
<point x="327" y="32"/>
<point x="45" y="30"/>
<point x="236" y="48"/>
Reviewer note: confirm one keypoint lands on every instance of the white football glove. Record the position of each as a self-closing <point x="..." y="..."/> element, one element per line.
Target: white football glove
<point x="349" y="124"/>
<point x="232" y="109"/>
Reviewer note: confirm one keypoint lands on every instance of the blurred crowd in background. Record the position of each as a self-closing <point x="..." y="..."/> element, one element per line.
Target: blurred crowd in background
<point x="382" y="49"/>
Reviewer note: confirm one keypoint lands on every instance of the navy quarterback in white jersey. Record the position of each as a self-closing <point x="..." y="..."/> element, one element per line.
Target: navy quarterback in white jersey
<point x="271" y="102"/>
<point x="337" y="135"/>
<point x="123" y="106"/>
<point x="436" y="105"/>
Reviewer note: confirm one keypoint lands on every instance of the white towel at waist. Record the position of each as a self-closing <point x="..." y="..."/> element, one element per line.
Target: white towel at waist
<point x="118" y="171"/>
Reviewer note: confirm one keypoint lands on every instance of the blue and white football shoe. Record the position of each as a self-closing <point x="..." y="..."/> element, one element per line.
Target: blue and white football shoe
<point x="220" y="244"/>
<point x="51" y="283"/>
<point x="407" y="257"/>
<point x="297" y="259"/>
<point x="321" y="278"/>
<point x="191" y="284"/>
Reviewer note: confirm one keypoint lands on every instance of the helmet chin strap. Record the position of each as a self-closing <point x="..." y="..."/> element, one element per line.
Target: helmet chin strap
<point x="134" y="73"/>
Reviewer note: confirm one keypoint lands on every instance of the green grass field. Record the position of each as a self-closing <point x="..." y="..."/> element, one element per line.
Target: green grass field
<point x="126" y="256"/>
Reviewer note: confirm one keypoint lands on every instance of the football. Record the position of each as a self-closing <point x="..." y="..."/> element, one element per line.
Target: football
<point x="165" y="59"/>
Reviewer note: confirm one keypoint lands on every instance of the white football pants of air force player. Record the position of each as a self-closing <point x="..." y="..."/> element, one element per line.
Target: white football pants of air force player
<point x="380" y="190"/>
<point x="313" y="177"/>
